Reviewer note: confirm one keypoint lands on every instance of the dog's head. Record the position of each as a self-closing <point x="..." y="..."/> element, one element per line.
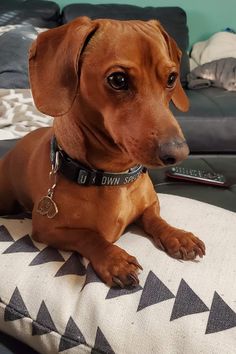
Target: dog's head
<point x="125" y="73"/>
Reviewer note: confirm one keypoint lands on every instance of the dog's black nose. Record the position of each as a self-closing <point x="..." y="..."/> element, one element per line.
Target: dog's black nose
<point x="173" y="151"/>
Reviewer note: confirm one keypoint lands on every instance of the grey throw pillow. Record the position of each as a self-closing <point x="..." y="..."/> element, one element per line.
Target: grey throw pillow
<point x="14" y="46"/>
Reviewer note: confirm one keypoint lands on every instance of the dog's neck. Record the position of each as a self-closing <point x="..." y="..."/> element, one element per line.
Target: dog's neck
<point x="90" y="145"/>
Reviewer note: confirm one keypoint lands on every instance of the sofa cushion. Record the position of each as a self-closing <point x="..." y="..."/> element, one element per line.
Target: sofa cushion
<point x="36" y="12"/>
<point x="14" y="47"/>
<point x="53" y="301"/>
<point x="210" y="124"/>
<point x="172" y="18"/>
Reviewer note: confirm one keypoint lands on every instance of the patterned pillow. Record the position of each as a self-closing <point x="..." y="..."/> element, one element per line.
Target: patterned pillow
<point x="53" y="300"/>
<point x="19" y="115"/>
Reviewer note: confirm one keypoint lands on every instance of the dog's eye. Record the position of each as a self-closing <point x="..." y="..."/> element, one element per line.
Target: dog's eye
<point x="118" y="81"/>
<point x="171" y="80"/>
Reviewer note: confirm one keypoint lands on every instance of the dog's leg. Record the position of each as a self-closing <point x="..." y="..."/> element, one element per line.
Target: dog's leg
<point x="112" y="264"/>
<point x="177" y="243"/>
<point x="8" y="202"/>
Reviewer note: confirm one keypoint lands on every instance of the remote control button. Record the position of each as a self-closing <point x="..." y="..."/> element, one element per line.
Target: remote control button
<point x="211" y="175"/>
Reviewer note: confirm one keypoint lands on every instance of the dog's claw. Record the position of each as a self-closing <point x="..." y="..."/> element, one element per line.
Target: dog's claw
<point x="192" y="255"/>
<point x="135" y="262"/>
<point x="183" y="253"/>
<point x="134" y="279"/>
<point x="118" y="282"/>
<point x="177" y="255"/>
<point x="199" y="252"/>
<point x="201" y="249"/>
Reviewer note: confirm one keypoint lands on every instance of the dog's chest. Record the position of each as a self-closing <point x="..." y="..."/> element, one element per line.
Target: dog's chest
<point x="106" y="210"/>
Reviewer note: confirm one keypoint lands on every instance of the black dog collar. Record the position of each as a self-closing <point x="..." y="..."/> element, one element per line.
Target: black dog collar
<point x="75" y="171"/>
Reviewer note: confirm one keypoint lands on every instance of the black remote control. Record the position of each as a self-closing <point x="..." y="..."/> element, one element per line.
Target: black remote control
<point x="200" y="176"/>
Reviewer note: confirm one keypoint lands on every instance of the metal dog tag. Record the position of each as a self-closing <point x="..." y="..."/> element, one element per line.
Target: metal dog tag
<point x="47" y="207"/>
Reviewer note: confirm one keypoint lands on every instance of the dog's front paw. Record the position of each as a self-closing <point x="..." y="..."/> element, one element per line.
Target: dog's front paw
<point x="117" y="268"/>
<point x="181" y="245"/>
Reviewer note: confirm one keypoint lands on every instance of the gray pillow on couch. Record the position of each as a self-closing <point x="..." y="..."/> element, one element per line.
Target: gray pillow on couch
<point x="39" y="13"/>
<point x="14" y="46"/>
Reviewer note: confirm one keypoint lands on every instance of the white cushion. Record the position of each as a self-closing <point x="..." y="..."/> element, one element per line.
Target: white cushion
<point x="52" y="302"/>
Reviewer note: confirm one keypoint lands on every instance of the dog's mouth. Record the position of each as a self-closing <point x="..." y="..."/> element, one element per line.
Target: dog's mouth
<point x="139" y="159"/>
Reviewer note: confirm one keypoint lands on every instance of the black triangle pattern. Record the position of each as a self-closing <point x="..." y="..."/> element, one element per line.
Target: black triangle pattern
<point x="116" y="292"/>
<point x="24" y="244"/>
<point x="221" y="316"/>
<point x="44" y="323"/>
<point x="5" y="235"/>
<point x="101" y="344"/>
<point x="16" y="308"/>
<point x="72" y="336"/>
<point x="154" y="291"/>
<point x="91" y="276"/>
<point x="73" y="265"/>
<point x="186" y="302"/>
<point x="47" y="255"/>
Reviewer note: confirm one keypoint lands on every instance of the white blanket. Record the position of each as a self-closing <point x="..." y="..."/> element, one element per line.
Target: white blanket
<point x="220" y="45"/>
<point x="18" y="114"/>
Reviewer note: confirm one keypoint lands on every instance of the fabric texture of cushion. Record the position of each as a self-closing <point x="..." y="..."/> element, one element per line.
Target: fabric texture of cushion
<point x="19" y="115"/>
<point x="172" y="18"/>
<point x="53" y="300"/>
<point x="36" y="12"/>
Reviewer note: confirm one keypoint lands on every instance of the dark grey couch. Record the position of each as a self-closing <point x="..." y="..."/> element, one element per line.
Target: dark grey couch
<point x="209" y="126"/>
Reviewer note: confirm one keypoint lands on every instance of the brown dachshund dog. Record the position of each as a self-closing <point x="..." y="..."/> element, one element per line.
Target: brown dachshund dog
<point x="108" y="84"/>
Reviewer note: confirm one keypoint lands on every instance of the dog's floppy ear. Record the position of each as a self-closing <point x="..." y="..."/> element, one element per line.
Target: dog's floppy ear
<point x="53" y="65"/>
<point x="179" y="96"/>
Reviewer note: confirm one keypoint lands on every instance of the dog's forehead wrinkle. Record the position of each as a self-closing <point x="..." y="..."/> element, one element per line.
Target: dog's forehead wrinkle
<point x="119" y="49"/>
<point x="128" y="33"/>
